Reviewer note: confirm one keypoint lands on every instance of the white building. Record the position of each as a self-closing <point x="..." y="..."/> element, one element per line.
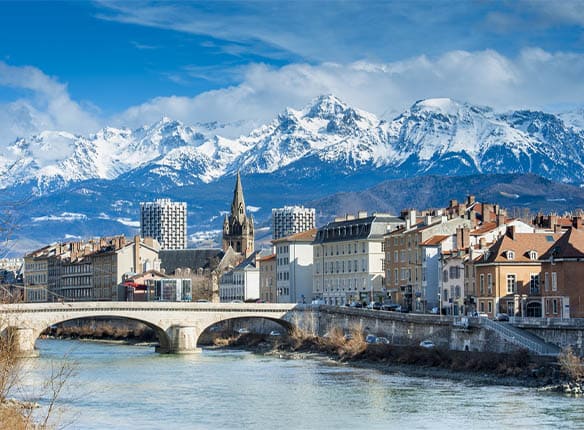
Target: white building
<point x="165" y="221"/>
<point x="294" y="258"/>
<point x="348" y="258"/>
<point x="242" y="282"/>
<point x="290" y="220"/>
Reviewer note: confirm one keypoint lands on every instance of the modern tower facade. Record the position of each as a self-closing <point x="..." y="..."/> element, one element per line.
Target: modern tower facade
<point x="291" y="220"/>
<point x="238" y="229"/>
<point x="165" y="221"/>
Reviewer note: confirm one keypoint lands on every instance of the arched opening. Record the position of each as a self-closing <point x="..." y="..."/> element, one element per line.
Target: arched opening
<point x="223" y="330"/>
<point x="107" y="327"/>
<point x="533" y="310"/>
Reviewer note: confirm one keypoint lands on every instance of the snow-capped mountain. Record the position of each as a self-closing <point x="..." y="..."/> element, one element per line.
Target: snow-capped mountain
<point x="326" y="147"/>
<point x="438" y="136"/>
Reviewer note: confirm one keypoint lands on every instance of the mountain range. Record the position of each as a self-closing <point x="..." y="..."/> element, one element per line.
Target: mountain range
<point x="76" y="186"/>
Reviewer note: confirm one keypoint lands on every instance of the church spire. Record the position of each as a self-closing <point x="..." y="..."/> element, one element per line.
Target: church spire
<point x="238" y="205"/>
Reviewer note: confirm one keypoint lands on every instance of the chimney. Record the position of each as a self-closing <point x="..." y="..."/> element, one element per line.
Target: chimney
<point x="453" y="203"/>
<point x="412" y="217"/>
<point x="428" y="219"/>
<point x="482" y="243"/>
<point x="511" y="231"/>
<point x="362" y="214"/>
<point x="470" y="199"/>
<point x="500" y="219"/>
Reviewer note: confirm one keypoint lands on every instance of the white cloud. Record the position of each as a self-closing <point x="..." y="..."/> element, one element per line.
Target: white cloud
<point x="534" y="79"/>
<point x="45" y="104"/>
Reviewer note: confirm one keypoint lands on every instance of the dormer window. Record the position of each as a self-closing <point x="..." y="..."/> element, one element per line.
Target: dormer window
<point x="510" y="255"/>
<point x="533" y="255"/>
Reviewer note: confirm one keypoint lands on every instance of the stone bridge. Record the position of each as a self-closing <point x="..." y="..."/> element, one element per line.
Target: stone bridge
<point x="178" y="325"/>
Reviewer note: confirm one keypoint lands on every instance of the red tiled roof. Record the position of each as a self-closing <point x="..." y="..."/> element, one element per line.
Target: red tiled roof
<point x="267" y="257"/>
<point x="435" y="240"/>
<point x="521" y="244"/>
<point x="484" y="228"/>
<point x="570" y="245"/>
<point x="303" y="236"/>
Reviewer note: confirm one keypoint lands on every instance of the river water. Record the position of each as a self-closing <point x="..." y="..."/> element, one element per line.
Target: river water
<point x="132" y="387"/>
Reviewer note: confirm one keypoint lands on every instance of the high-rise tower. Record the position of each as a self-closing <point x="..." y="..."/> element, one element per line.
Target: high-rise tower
<point x="238" y="228"/>
<point x="165" y="221"/>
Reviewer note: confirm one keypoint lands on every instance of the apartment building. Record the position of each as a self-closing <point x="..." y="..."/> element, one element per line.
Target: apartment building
<point x="242" y="282"/>
<point x="508" y="274"/>
<point x="36" y="275"/>
<point x="562" y="275"/>
<point x="348" y="258"/>
<point x="290" y="220"/>
<point x="413" y="258"/>
<point x="268" y="291"/>
<point x="294" y="263"/>
<point x="165" y="221"/>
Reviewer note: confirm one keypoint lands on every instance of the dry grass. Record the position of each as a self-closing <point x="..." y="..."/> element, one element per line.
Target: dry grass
<point x="571" y="365"/>
<point x="12" y="418"/>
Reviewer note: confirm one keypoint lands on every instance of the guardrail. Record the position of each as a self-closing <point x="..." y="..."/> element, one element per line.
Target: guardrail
<point x="548" y="322"/>
<point x="518" y="337"/>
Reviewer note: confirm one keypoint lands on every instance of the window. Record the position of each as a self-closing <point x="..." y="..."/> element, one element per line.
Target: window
<point x="482" y="284"/>
<point x="482" y="306"/>
<point x="395" y="256"/>
<point x="490" y="307"/>
<point x="555" y="305"/>
<point x="533" y="255"/>
<point x="554" y="281"/>
<point x="445" y="276"/>
<point x="510" y="255"/>
<point x="395" y="276"/>
<point x="445" y="296"/>
<point x="534" y="283"/>
<point x="489" y="283"/>
<point x="546" y="281"/>
<point x="511" y="283"/>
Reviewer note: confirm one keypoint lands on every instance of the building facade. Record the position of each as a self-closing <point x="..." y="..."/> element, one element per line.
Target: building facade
<point x="562" y="276"/>
<point x="165" y="221"/>
<point x="268" y="272"/>
<point x="290" y="220"/>
<point x="348" y="258"/>
<point x="238" y="229"/>
<point x="242" y="283"/>
<point x="294" y="267"/>
<point x="508" y="275"/>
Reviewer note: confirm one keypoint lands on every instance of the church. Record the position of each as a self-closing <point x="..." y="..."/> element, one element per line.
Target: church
<point x="238" y="227"/>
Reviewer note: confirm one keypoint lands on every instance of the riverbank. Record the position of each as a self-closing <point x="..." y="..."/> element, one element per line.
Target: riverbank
<point x="519" y="369"/>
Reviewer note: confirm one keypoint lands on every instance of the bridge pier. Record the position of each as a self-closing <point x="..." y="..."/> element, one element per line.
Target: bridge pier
<point x="183" y="340"/>
<point x="24" y="339"/>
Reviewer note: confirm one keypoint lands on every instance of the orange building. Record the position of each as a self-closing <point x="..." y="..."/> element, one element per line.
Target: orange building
<point x="507" y="276"/>
<point x="563" y="277"/>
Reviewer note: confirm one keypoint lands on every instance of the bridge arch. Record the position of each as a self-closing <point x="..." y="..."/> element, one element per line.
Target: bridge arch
<point x="235" y="322"/>
<point x="161" y="334"/>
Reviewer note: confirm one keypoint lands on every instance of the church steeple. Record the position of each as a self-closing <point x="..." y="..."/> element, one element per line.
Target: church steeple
<point x="238" y="231"/>
<point x="238" y="204"/>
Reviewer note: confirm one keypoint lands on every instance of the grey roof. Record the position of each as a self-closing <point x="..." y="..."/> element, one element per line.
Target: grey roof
<point x="194" y="259"/>
<point x="249" y="261"/>
<point x="371" y="227"/>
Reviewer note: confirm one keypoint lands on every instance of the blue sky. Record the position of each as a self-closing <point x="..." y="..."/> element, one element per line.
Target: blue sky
<point x="79" y="65"/>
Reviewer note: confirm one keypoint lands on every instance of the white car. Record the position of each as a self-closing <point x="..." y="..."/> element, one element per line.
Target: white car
<point x="243" y="330"/>
<point x="427" y="344"/>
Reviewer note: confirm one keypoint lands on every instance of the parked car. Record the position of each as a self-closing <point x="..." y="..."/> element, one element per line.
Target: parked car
<point x="355" y="305"/>
<point x="371" y="338"/>
<point x="383" y="340"/>
<point x="403" y="310"/>
<point x="427" y="344"/>
<point x="374" y="305"/>
<point x="202" y="301"/>
<point x="236" y="301"/>
<point x="275" y="333"/>
<point x="502" y="317"/>
<point x="434" y="310"/>
<point x="243" y="330"/>
<point x="391" y="307"/>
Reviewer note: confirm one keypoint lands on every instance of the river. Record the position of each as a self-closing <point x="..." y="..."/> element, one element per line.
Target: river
<point x="131" y="387"/>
